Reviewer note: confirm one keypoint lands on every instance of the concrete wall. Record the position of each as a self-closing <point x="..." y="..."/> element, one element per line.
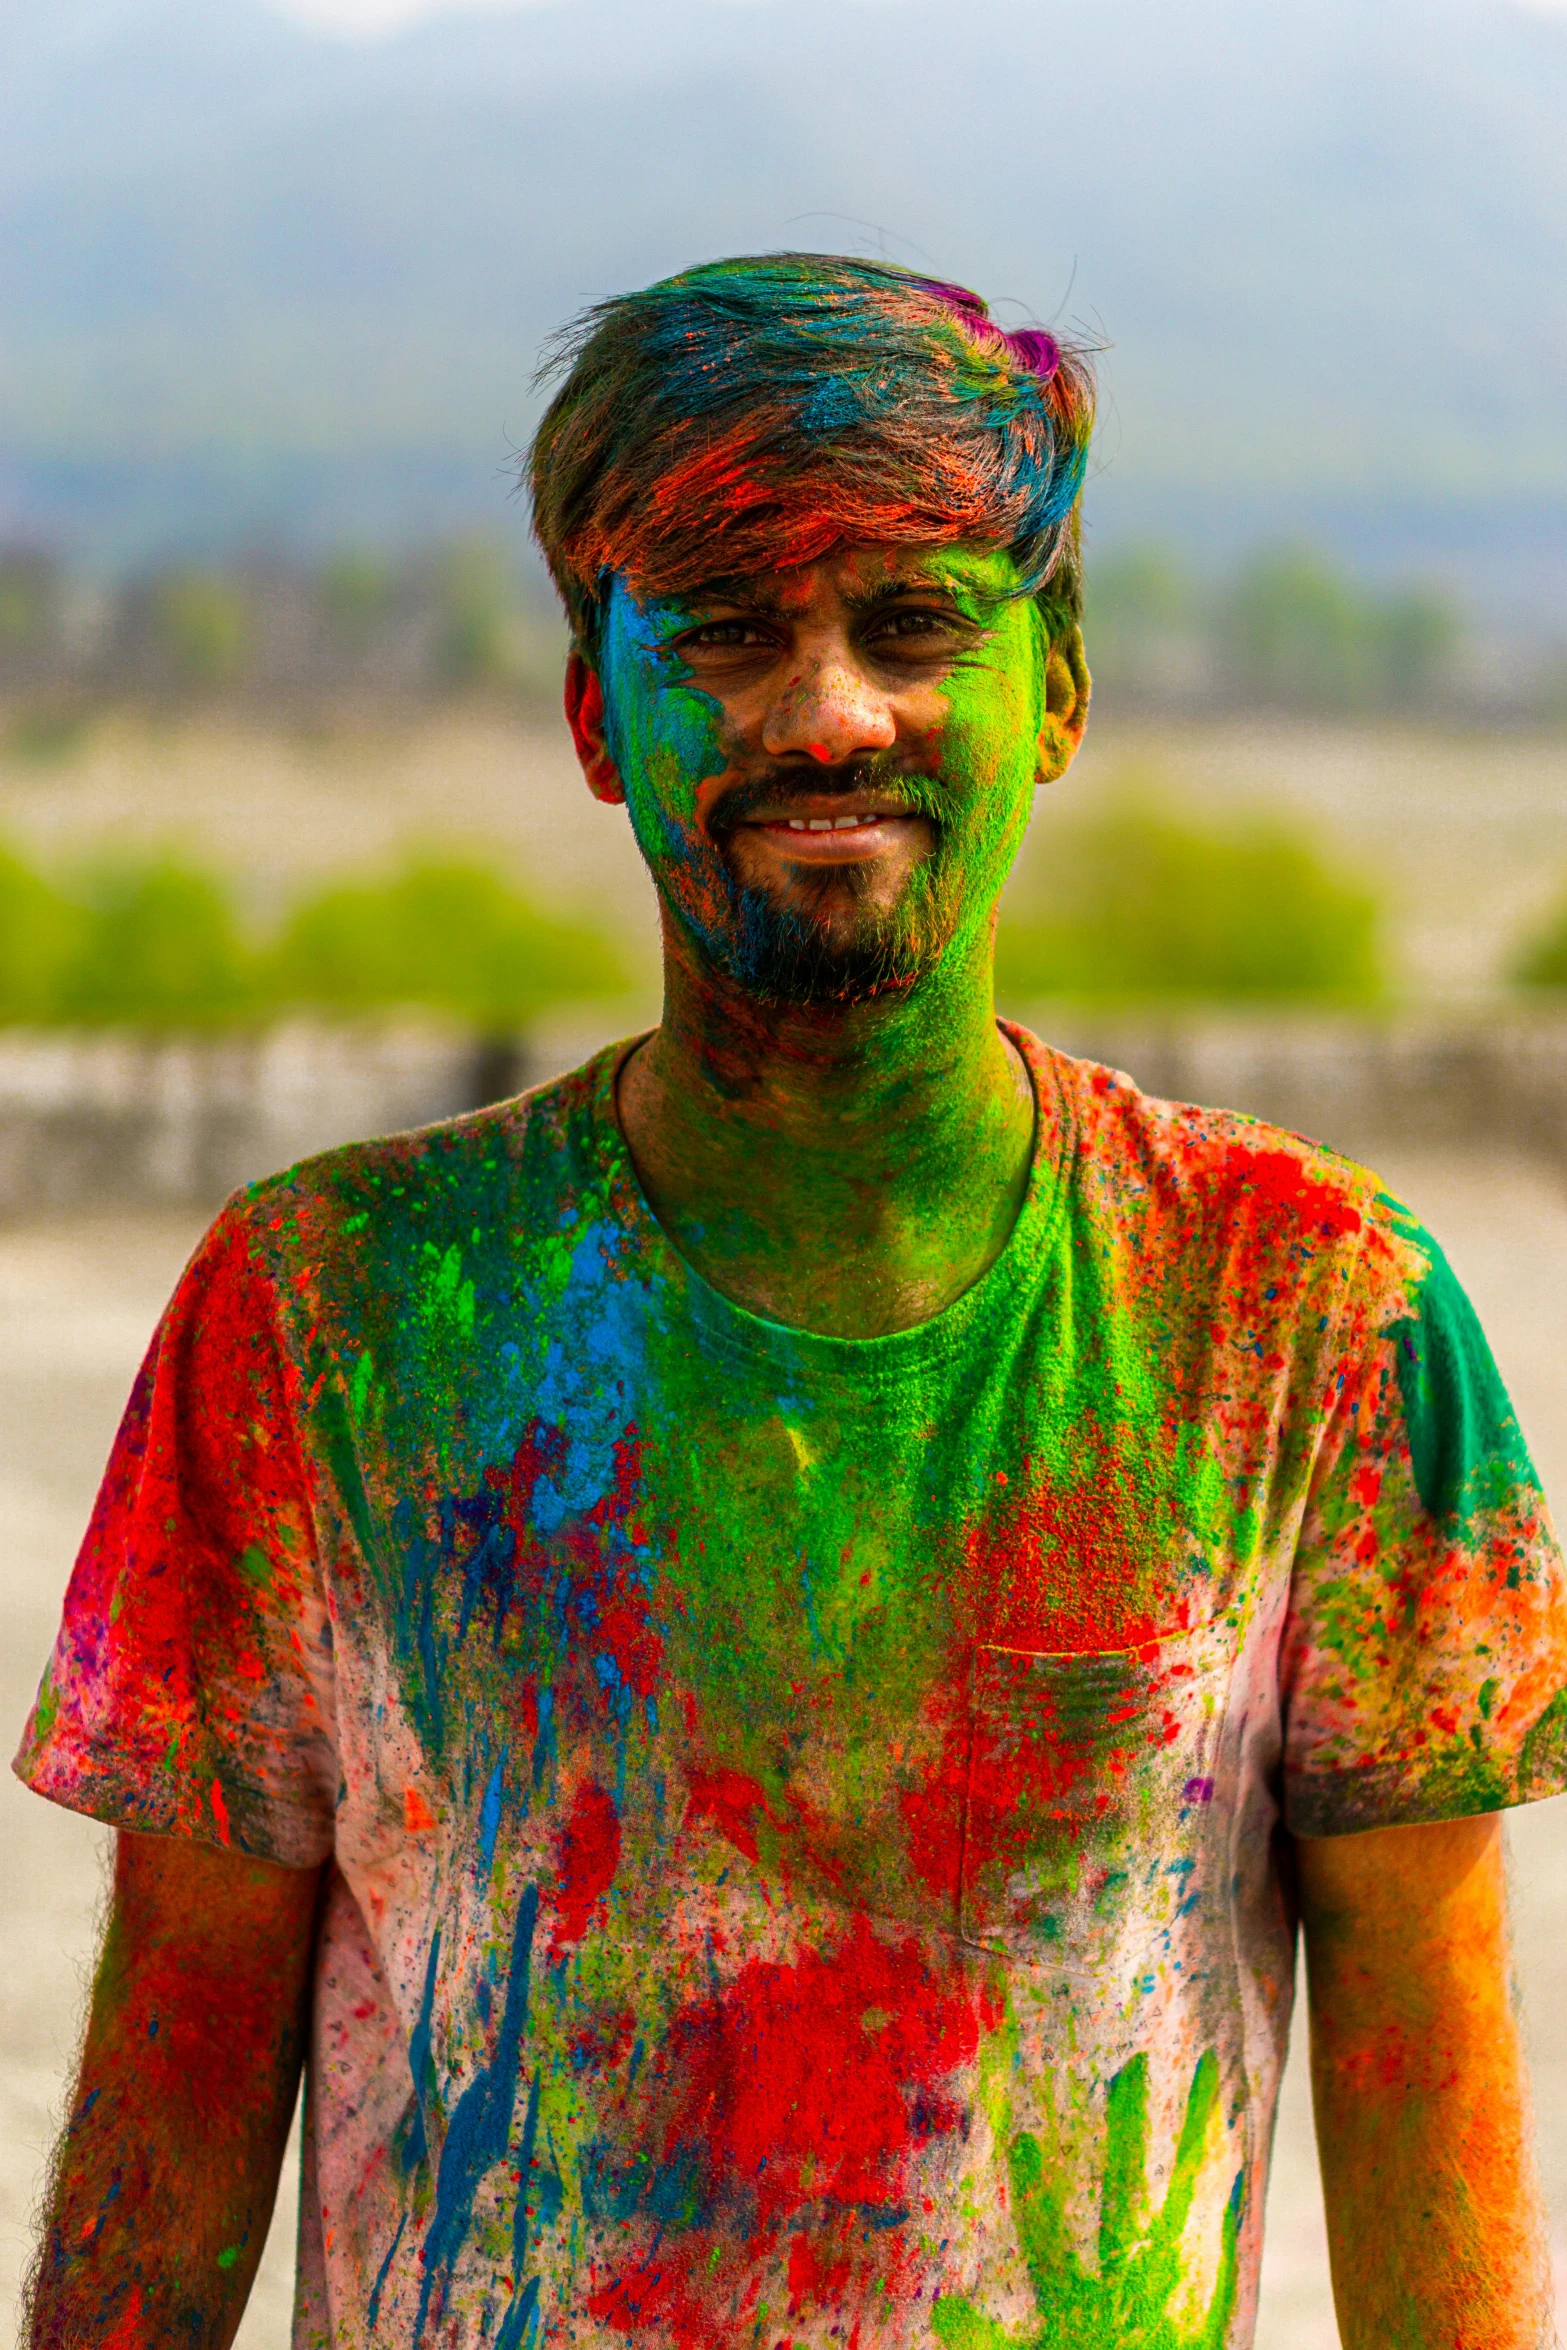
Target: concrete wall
<point x="1356" y="1084"/>
<point x="91" y="1121"/>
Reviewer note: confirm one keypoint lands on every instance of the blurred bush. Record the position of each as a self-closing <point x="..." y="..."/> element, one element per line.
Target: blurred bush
<point x="156" y="943"/>
<point x="1142" y="900"/>
<point x="158" y="946"/>
<point x="40" y="938"/>
<point x="445" y="934"/>
<point x="1542" y="959"/>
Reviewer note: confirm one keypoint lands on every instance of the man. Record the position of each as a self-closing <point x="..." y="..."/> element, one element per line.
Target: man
<point x="753" y="1655"/>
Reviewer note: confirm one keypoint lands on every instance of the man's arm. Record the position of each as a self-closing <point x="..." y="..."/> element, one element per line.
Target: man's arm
<point x="163" y="2181"/>
<point x="1422" y="2102"/>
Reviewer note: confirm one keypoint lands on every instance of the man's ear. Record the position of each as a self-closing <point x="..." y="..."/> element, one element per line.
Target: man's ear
<point x="1067" y="688"/>
<point x="585" y="717"/>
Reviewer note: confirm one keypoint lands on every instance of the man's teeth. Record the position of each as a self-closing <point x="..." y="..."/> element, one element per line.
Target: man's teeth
<point x="829" y="823"/>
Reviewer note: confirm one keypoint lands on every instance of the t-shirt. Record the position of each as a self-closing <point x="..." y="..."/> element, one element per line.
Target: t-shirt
<point x="804" y="1812"/>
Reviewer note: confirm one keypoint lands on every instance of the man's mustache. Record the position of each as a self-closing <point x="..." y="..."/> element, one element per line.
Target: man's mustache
<point x="780" y="788"/>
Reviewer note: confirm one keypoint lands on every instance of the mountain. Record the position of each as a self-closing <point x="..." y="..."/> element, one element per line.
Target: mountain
<point x="258" y="283"/>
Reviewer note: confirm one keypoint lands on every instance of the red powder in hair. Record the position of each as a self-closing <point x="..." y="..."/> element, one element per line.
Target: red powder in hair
<point x="681" y="2299"/>
<point x="816" y="2274"/>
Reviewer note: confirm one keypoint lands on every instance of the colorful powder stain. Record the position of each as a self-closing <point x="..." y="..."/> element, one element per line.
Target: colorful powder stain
<point x="813" y="2080"/>
<point x="804" y="1810"/>
<point x="587" y="1853"/>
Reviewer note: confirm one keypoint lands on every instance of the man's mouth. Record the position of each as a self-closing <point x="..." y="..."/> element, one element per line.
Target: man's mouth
<point x="833" y="829"/>
<point x="855" y="823"/>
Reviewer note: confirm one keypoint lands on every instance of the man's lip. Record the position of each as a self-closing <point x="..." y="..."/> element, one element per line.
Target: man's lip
<point x="828" y="840"/>
<point x="816" y="815"/>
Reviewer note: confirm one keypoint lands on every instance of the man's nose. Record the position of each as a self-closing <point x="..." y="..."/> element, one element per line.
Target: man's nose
<point x="830" y="710"/>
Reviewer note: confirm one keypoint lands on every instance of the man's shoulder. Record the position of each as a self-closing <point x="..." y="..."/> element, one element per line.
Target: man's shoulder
<point x="1203" y="1172"/>
<point x="516" y="1158"/>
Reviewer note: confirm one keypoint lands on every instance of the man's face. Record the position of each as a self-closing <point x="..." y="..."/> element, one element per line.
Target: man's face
<point x="829" y="769"/>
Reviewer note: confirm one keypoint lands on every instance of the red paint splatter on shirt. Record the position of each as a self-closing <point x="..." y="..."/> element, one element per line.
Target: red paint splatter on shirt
<point x="1074" y="1565"/>
<point x="1280" y="1185"/>
<point x="815" y="2080"/>
<point x="587" y="1854"/>
<point x="733" y="1804"/>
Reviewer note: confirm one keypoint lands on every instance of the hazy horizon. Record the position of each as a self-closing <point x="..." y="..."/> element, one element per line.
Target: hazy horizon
<point x="265" y="287"/>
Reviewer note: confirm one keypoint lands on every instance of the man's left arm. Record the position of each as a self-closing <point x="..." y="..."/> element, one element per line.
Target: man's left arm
<point x="1435" y="2222"/>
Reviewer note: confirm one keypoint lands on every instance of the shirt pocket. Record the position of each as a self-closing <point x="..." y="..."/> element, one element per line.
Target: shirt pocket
<point x="1086" y="1773"/>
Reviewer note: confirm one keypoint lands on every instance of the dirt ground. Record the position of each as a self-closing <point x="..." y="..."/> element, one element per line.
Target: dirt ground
<point x="77" y="1302"/>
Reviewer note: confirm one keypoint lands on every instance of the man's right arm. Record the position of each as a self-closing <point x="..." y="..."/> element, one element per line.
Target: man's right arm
<point x="163" y="2181"/>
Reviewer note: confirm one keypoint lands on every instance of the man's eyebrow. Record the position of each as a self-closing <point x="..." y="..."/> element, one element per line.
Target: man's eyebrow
<point x="758" y="596"/>
<point x="887" y="591"/>
<point x="742" y="594"/>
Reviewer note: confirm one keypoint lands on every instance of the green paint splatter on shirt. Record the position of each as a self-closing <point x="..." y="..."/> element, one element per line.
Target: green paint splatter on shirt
<point x="1144" y="2272"/>
<point x="1468" y="1450"/>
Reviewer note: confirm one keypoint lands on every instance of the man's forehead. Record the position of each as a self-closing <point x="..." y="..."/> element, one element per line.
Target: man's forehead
<point x="859" y="575"/>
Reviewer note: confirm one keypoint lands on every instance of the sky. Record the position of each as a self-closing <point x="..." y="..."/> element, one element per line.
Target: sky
<point x="364" y="19"/>
<point x="369" y="17"/>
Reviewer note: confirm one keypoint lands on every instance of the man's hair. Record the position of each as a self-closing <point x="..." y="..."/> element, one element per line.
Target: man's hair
<point x="753" y="414"/>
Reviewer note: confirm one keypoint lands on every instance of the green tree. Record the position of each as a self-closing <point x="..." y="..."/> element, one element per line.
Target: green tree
<point x="202" y="628"/>
<point x="480" y="621"/>
<point x="443" y="933"/>
<point x="1549" y="695"/>
<point x="159" y="947"/>
<point x="355" y="589"/>
<point x="29" y="604"/>
<point x="1143" y="621"/>
<point x="1291" y="631"/>
<point x="1142" y="900"/>
<point x="1420" y="640"/>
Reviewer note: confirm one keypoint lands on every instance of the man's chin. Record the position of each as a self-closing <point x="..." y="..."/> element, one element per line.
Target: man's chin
<point x="817" y="957"/>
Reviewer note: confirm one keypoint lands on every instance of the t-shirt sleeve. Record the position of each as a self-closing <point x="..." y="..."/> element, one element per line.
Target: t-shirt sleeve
<point x="1424" y="1662"/>
<point x="190" y="1692"/>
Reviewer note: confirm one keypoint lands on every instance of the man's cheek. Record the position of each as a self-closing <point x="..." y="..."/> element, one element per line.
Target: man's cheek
<point x="668" y="754"/>
<point x="989" y="788"/>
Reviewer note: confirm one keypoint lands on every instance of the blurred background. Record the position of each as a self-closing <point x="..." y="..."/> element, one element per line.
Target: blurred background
<point x="274" y="280"/>
<point x="291" y="841"/>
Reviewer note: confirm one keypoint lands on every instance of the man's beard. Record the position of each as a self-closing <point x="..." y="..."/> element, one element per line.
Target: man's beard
<point x="819" y="950"/>
<point x="794" y="954"/>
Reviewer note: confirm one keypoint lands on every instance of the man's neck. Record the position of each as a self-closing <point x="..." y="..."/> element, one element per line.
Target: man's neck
<point x="849" y="1171"/>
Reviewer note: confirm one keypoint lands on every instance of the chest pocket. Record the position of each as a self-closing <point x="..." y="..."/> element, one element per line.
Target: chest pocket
<point x="1087" y="1774"/>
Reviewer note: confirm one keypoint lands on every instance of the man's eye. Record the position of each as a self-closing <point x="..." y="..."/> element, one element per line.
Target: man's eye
<point x="908" y="626"/>
<point x="722" y="634"/>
